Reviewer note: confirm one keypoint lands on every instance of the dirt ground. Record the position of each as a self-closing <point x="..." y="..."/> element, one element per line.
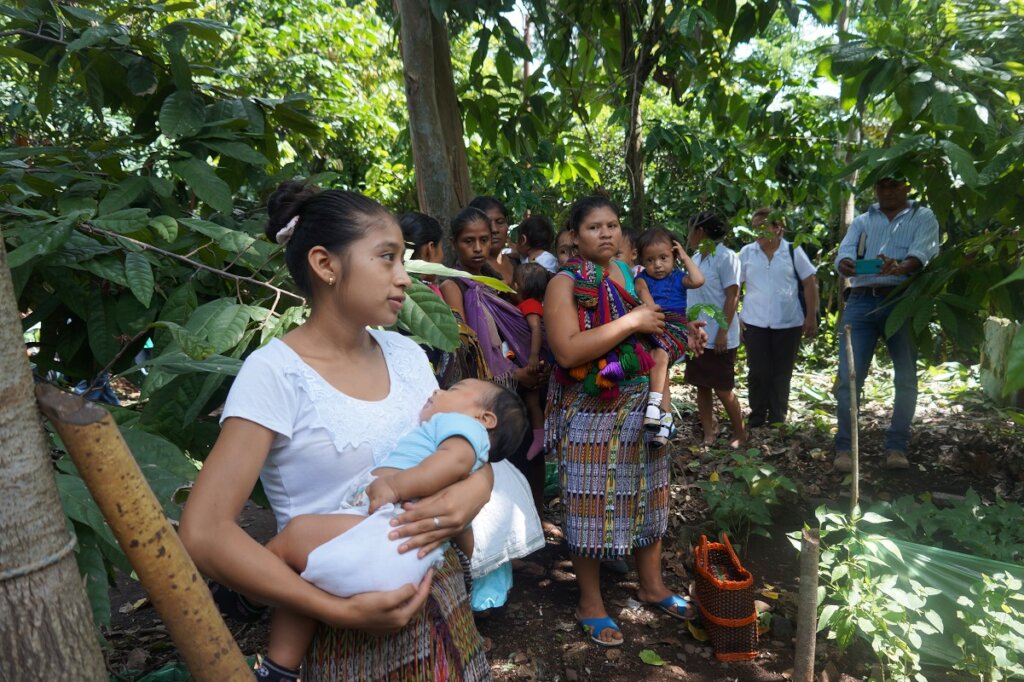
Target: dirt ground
<point x="960" y="441"/>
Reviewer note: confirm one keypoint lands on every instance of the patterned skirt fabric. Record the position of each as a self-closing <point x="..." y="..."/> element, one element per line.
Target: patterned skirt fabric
<point x="441" y="642"/>
<point x="614" y="489"/>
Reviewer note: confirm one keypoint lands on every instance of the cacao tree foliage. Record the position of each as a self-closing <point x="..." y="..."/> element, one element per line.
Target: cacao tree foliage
<point x="141" y="140"/>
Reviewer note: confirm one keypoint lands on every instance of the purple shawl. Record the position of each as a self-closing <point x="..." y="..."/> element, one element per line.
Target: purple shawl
<point x="495" y="320"/>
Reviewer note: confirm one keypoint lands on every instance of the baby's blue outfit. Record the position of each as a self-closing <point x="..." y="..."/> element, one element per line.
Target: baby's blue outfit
<point x="424" y="440"/>
<point x="364" y="559"/>
<point x="415" y="447"/>
<point x="669" y="293"/>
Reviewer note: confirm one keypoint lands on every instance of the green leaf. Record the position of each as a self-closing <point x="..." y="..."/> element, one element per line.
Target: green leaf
<point x="1016" y="275"/>
<point x="204" y="182"/>
<point x="420" y="267"/>
<point x="195" y="346"/>
<point x="126" y="192"/>
<point x="124" y="221"/>
<point x="222" y="322"/>
<point x="234" y="241"/>
<point x="139" y="274"/>
<point x="164" y="465"/>
<point x="238" y="150"/>
<point x="177" y="362"/>
<point x="165" y="226"/>
<point x="651" y="657"/>
<point x="426" y="315"/>
<point x="46" y="238"/>
<point x="102" y="327"/>
<point x="80" y="507"/>
<point x="961" y="162"/>
<point x="704" y="309"/>
<point x="505" y="66"/>
<point x="181" y="114"/>
<point x="110" y="268"/>
<point x="89" y="558"/>
<point x="1015" y="364"/>
<point x="872" y="517"/>
<point x="141" y="78"/>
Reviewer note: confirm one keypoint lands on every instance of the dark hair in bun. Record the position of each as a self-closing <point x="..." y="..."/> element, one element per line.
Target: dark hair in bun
<point x="582" y="208"/>
<point x="419" y="229"/>
<point x="331" y="218"/>
<point x="713" y="224"/>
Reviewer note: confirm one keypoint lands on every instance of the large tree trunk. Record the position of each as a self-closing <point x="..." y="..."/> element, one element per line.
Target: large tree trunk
<point x="638" y="41"/>
<point x="435" y="124"/>
<point x="46" y="628"/>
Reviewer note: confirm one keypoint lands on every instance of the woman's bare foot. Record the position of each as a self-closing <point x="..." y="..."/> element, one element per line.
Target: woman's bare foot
<point x="739" y="441"/>
<point x="551" y="530"/>
<point x="606" y="634"/>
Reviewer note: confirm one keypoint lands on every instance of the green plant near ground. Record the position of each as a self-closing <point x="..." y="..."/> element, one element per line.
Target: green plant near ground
<point x="994" y="620"/>
<point x="741" y="494"/>
<point x="993" y="530"/>
<point x="858" y="591"/>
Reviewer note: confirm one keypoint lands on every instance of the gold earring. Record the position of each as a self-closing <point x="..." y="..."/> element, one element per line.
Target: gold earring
<point x="330" y="282"/>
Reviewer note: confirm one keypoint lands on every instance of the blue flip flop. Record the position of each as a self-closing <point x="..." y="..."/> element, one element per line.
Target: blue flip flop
<point x="593" y="627"/>
<point x="676" y="606"/>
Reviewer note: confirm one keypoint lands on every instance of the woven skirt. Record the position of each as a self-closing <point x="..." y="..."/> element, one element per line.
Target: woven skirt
<point x="440" y="643"/>
<point x="614" y="489"/>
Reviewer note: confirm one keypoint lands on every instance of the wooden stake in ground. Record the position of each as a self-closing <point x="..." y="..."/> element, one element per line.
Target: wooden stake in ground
<point x="164" y="568"/>
<point x="807" y="613"/>
<point x="854" y="435"/>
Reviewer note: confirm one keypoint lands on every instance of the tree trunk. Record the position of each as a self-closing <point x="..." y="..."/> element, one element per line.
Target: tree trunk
<point x="46" y="628"/>
<point x="853" y="134"/>
<point x="449" y="114"/>
<point x="638" y="41"/>
<point x="435" y="125"/>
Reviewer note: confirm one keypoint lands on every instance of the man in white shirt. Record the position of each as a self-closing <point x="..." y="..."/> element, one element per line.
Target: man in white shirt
<point x="884" y="246"/>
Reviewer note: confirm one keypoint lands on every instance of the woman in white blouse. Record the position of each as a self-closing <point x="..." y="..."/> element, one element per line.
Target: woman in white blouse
<point x="774" y="274"/>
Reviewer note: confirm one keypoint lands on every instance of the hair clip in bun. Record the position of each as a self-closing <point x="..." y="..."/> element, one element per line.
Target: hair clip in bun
<point x="286" y="232"/>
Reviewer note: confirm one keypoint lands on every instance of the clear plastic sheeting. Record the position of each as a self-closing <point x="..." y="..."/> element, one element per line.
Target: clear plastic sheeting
<point x="952" y="573"/>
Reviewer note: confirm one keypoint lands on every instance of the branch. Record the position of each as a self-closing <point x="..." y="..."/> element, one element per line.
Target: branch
<point x="201" y="266"/>
<point x="30" y="34"/>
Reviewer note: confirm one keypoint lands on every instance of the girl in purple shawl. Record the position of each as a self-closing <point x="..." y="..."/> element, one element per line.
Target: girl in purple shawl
<point x="501" y="328"/>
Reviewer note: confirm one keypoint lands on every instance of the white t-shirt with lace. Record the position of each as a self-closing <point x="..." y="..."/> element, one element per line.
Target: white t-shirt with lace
<point x="324" y="438"/>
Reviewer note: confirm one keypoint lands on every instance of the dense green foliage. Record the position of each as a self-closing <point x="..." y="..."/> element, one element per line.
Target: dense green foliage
<point x="143" y="139"/>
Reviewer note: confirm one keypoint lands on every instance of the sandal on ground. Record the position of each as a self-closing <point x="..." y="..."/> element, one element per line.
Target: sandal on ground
<point x="593" y="627"/>
<point x="676" y="606"/>
<point x="653" y="417"/>
<point x="666" y="429"/>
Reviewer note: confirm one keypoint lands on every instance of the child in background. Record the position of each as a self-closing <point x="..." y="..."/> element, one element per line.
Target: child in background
<point x="349" y="552"/>
<point x="628" y="252"/>
<point x="531" y="281"/>
<point x="564" y="248"/>
<point x="662" y="282"/>
<point x="534" y="244"/>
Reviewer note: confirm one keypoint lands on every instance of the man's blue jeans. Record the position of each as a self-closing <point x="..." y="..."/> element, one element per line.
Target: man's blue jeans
<point x="866" y="313"/>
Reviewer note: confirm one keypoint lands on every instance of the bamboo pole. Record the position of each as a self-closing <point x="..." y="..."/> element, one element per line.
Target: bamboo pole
<point x="807" y="614"/>
<point x="854" y="435"/>
<point x="146" y="536"/>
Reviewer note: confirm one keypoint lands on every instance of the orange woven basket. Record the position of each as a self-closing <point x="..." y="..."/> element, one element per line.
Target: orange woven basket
<point x="726" y="600"/>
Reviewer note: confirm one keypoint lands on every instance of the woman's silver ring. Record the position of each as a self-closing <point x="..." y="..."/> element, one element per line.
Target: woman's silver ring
<point x="437" y="523"/>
